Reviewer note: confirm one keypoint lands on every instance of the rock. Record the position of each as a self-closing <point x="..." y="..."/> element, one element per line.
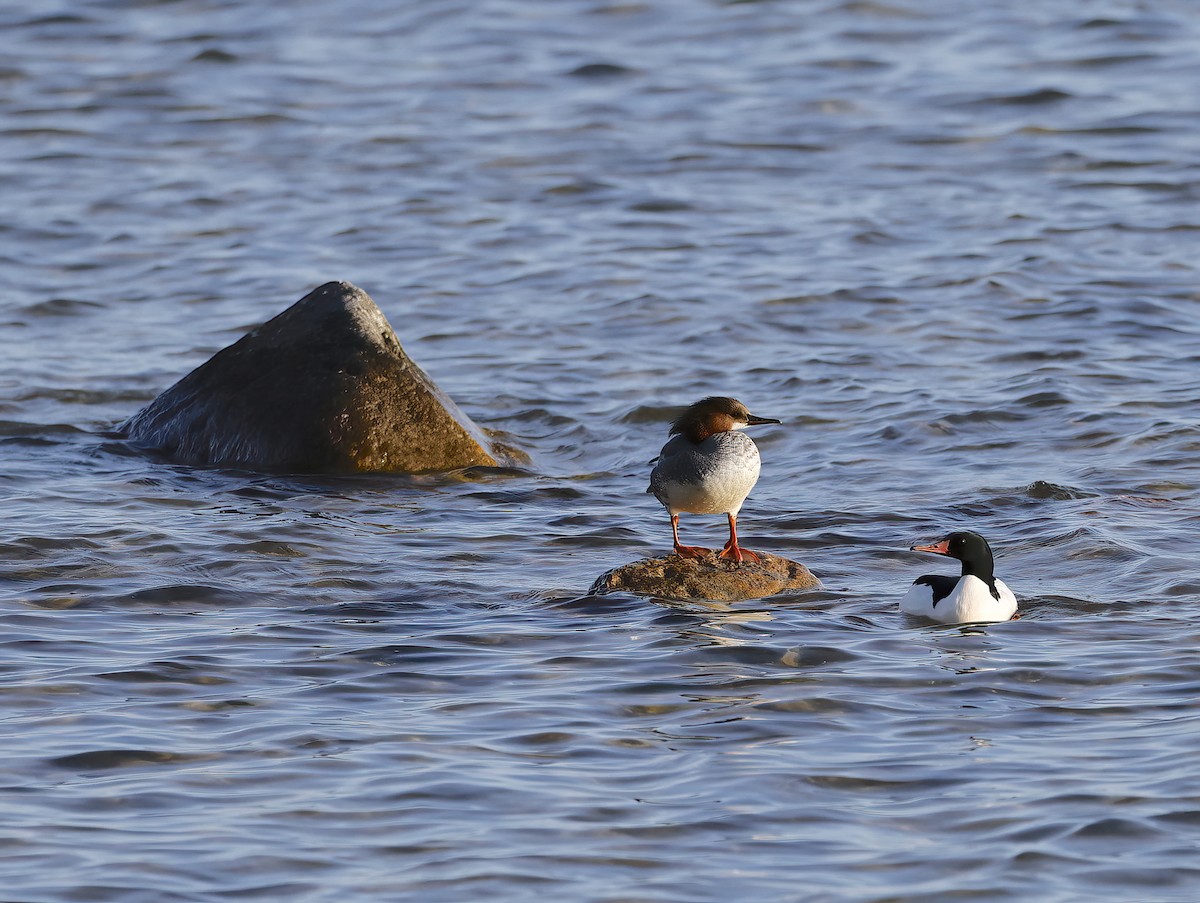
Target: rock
<point x="709" y="578"/>
<point x="322" y="387"/>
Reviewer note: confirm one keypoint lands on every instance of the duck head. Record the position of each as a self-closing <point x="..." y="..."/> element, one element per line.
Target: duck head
<point x="715" y="414"/>
<point x="969" y="548"/>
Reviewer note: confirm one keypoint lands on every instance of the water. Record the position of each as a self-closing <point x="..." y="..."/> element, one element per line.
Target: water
<point x="951" y="245"/>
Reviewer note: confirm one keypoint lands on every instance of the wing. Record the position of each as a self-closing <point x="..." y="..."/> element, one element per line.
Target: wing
<point x="663" y="463"/>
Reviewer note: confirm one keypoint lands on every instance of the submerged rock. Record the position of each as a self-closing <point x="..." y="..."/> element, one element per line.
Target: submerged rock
<point x="322" y="387"/>
<point x="709" y="578"/>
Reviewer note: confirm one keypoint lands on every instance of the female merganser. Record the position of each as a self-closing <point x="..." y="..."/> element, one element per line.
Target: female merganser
<point x="708" y="467"/>
<point x="974" y="597"/>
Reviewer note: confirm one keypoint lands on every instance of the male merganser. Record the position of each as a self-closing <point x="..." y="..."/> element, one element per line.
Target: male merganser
<point x="709" y="467"/>
<point x="974" y="597"/>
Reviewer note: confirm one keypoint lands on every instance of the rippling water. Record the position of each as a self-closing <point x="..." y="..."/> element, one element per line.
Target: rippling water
<point x="951" y="245"/>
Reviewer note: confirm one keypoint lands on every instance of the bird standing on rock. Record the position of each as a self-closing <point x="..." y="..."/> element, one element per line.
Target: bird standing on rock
<point x="709" y="467"/>
<point x="975" y="597"/>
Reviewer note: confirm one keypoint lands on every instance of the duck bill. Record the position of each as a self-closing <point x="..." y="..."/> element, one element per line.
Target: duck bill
<point x="754" y="420"/>
<point x="937" y="548"/>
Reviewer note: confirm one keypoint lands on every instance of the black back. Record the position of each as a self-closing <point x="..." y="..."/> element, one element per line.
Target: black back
<point x="941" y="585"/>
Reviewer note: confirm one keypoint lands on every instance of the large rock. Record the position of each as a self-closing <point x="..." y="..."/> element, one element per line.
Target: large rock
<point x="322" y="387"/>
<point x="708" y="578"/>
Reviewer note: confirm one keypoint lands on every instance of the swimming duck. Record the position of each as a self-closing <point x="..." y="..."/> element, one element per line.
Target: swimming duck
<point x="974" y="597"/>
<point x="709" y="466"/>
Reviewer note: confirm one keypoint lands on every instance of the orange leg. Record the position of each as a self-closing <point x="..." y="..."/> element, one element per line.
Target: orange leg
<point x="732" y="550"/>
<point x="685" y="551"/>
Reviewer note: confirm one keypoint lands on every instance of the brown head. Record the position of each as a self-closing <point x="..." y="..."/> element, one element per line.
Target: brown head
<point x="715" y="414"/>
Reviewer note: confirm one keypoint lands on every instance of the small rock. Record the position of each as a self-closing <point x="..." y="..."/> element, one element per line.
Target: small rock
<point x="323" y="387"/>
<point x="709" y="578"/>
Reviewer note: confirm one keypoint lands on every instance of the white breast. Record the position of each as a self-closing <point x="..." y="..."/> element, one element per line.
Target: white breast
<point x="713" y="477"/>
